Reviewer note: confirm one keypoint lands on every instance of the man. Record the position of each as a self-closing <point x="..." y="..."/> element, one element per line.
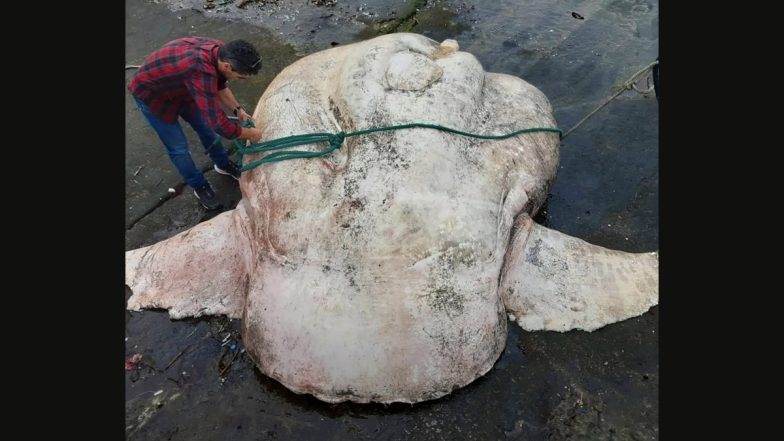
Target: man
<point x="188" y="78"/>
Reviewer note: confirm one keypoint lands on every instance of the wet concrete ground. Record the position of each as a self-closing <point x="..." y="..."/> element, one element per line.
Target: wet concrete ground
<point x="546" y="386"/>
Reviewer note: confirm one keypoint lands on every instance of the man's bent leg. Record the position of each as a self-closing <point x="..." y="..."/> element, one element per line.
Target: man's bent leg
<point x="173" y="138"/>
<point x="209" y="139"/>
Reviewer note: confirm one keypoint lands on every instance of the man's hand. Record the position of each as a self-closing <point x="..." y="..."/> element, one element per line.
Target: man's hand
<point x="242" y="115"/>
<point x="252" y="134"/>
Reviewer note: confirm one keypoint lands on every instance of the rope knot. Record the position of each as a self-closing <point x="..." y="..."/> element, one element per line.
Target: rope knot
<point x="336" y="140"/>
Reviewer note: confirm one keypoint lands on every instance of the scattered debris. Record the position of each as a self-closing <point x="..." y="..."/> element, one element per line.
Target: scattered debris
<point x="211" y="5"/>
<point x="133" y="361"/>
<point x="230" y="354"/>
<point x="138" y="170"/>
<point x="146" y="409"/>
<point x="243" y="3"/>
<point x="176" y="357"/>
<point x="223" y="366"/>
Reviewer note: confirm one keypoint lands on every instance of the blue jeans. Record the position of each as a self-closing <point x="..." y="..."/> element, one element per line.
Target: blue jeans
<point x="173" y="138"/>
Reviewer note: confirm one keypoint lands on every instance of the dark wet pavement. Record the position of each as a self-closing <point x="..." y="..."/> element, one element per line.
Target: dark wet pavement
<point x="545" y="386"/>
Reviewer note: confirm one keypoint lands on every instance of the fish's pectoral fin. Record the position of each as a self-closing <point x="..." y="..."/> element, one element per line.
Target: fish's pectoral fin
<point x="553" y="281"/>
<point x="201" y="271"/>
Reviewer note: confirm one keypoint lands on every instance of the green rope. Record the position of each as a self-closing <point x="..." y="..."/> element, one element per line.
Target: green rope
<point x="335" y="140"/>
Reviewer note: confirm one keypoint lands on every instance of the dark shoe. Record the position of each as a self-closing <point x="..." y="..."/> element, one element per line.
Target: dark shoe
<point x="230" y="170"/>
<point x="207" y="197"/>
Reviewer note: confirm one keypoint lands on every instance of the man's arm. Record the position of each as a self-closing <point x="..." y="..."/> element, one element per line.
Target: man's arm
<point x="207" y="97"/>
<point x="227" y="98"/>
<point x="252" y="134"/>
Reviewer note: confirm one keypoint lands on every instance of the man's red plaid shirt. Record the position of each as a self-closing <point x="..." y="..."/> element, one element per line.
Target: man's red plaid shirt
<point x="182" y="77"/>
